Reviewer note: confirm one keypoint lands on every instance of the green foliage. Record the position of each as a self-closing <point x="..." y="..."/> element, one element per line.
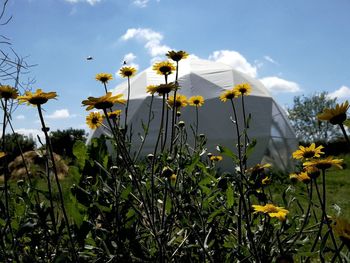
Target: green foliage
<point x="303" y="117"/>
<point x="63" y="141"/>
<point x="15" y="143"/>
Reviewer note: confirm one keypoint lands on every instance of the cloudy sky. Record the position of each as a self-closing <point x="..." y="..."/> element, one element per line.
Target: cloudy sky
<point x="294" y="47"/>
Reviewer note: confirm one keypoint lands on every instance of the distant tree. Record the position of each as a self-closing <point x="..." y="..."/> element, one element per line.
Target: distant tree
<point x="63" y="141"/>
<point x="15" y="143"/>
<point x="303" y="117"/>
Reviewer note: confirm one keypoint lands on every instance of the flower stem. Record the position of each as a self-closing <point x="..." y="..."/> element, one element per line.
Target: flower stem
<point x="344" y="133"/>
<point x="127" y="108"/>
<point x="49" y="146"/>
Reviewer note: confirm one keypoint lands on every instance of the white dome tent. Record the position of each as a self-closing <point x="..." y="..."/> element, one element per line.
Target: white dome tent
<point x="269" y="124"/>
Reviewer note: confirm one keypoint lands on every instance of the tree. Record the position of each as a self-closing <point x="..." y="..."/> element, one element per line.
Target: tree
<point x="15" y="143"/>
<point x="63" y="141"/>
<point x="303" y="117"/>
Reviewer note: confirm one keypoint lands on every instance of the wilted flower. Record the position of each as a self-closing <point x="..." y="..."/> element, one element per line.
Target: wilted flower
<point x="151" y="89"/>
<point x="114" y="114"/>
<point x="37" y="98"/>
<point x="163" y="89"/>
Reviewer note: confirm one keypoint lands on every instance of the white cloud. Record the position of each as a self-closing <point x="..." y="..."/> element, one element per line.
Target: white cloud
<point x="341" y="93"/>
<point x="234" y="59"/>
<point x="60" y="114"/>
<point x="276" y="84"/>
<point x="20" y="117"/>
<point x="271" y="60"/>
<point x="91" y="2"/>
<point x="141" y="3"/>
<point x="152" y="40"/>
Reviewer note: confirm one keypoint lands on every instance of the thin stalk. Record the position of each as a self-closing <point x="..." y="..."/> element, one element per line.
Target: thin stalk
<point x="105" y="86"/>
<point x="48" y="142"/>
<point x="166" y="125"/>
<point x="52" y="213"/>
<point x="196" y="135"/>
<point x="127" y="107"/>
<point x="245" y="134"/>
<point x="344" y="133"/>
<point x="174" y="108"/>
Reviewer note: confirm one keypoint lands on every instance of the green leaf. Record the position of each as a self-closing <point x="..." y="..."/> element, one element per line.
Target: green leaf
<point x="229" y="196"/>
<point x="168" y="205"/>
<point x="250" y="148"/>
<point x="226" y="151"/>
<point x="190" y="168"/>
<point x="80" y="152"/>
<point x="74" y="174"/>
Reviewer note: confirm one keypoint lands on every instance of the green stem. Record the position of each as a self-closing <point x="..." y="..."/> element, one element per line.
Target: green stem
<point x="48" y="142"/>
<point x="344" y="133"/>
<point x="127" y="107"/>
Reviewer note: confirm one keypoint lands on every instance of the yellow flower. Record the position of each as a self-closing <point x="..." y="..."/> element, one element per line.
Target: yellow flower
<point x="177" y="55"/>
<point x="94" y="120"/>
<point x="197" y="101"/>
<point x="173" y="178"/>
<point x="8" y="92"/>
<point x="303" y="177"/>
<point x="104" y="77"/>
<point x="151" y="89"/>
<point x="127" y="72"/>
<point x="228" y="95"/>
<point x="273" y="211"/>
<point x="37" y="98"/>
<point x="266" y="180"/>
<point x="104" y="102"/>
<point x="312" y="171"/>
<point x="342" y="228"/>
<point x="180" y="101"/>
<point x="164" y="68"/>
<point x="216" y="158"/>
<point x="114" y="114"/>
<point x="243" y="89"/>
<point x="325" y="163"/>
<point x="293" y="177"/>
<point x="2" y="154"/>
<point x="308" y="152"/>
<point x="259" y="168"/>
<point x="336" y="115"/>
<point x="165" y="88"/>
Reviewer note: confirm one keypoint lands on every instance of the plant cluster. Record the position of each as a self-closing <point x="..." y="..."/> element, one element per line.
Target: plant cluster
<point x="172" y="205"/>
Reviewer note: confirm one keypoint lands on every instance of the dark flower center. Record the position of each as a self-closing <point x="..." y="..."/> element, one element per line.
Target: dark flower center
<point x="308" y="154"/>
<point x="103" y="105"/>
<point x="38" y="100"/>
<point x="165" y="69"/>
<point x="338" y="119"/>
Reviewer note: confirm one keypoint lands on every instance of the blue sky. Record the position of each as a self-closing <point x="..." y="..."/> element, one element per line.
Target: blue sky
<point x="294" y="47"/>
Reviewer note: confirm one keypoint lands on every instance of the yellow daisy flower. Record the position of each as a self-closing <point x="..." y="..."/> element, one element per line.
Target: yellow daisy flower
<point x="177" y="55"/>
<point x="94" y="120"/>
<point x="273" y="211"/>
<point x="164" y="67"/>
<point x="37" y="98"/>
<point x="114" y="114"/>
<point x="259" y="168"/>
<point x="325" y="163"/>
<point x="303" y="177"/>
<point x="180" y="101"/>
<point x="197" y="101"/>
<point x="312" y="171"/>
<point x="342" y="228"/>
<point x="8" y="92"/>
<point x="293" y="177"/>
<point x="104" y="77"/>
<point x="104" y="102"/>
<point x="228" y="95"/>
<point x="127" y="72"/>
<point x="243" y="89"/>
<point x="151" y="89"/>
<point x="308" y="152"/>
<point x="336" y="115"/>
<point x="165" y="88"/>
<point x="2" y="154"/>
<point x="216" y="158"/>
